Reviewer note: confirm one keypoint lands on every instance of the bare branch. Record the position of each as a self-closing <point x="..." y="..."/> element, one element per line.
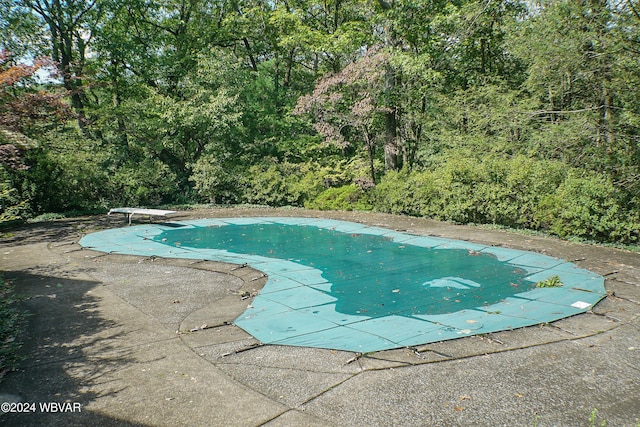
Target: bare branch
<point x="633" y="9"/>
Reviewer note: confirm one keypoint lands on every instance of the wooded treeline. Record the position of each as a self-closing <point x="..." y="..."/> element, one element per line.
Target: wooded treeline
<point x="518" y="113"/>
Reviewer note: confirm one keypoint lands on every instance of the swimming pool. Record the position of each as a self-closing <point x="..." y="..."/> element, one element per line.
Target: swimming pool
<point x="347" y="286"/>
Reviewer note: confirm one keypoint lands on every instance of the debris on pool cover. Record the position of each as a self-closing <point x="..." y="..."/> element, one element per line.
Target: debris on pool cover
<point x="347" y="286"/>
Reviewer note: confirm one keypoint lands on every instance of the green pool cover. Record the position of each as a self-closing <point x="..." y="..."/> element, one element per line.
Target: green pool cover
<point x="347" y="286"/>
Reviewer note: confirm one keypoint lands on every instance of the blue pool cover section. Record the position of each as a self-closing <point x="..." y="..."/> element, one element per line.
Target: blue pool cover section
<point x="347" y="286"/>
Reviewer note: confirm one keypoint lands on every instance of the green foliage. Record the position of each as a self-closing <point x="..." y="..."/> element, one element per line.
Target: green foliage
<point x="517" y="192"/>
<point x="12" y="208"/>
<point x="214" y="182"/>
<point x="63" y="178"/>
<point x="12" y="321"/>
<point x="47" y="217"/>
<point x="466" y="189"/>
<point x="551" y="282"/>
<point x="148" y="183"/>
<point x="404" y="192"/>
<point x="269" y="184"/>
<point x="72" y="174"/>
<point x="346" y="198"/>
<point x="186" y="127"/>
<point x="500" y="113"/>
<point x="593" y="419"/>
<point x="282" y="184"/>
<point x="588" y="206"/>
<point x="299" y="184"/>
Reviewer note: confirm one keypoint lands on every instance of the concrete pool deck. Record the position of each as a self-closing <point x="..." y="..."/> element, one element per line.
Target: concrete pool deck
<point x="148" y="342"/>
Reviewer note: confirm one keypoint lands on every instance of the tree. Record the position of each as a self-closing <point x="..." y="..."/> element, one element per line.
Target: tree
<point x="346" y="106"/>
<point x="580" y="82"/>
<point x="23" y="112"/>
<point x="71" y="25"/>
<point x="23" y="108"/>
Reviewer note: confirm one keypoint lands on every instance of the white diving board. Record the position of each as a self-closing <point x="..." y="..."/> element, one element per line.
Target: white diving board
<point x="130" y="212"/>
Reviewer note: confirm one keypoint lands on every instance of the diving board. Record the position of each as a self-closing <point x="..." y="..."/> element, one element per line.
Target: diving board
<point x="130" y="212"/>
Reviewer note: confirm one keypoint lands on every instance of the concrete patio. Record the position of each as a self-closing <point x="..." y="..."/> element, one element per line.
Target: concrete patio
<point x="149" y="342"/>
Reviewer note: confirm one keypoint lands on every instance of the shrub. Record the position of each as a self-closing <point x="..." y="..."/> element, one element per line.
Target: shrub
<point x="528" y="182"/>
<point x="455" y="196"/>
<point x="272" y="184"/>
<point x="64" y="179"/>
<point x="346" y="198"/>
<point x="507" y="191"/>
<point x="11" y="207"/>
<point x="404" y="192"/>
<point x="516" y="192"/>
<point x="215" y="183"/>
<point x="588" y="206"/>
<point x="145" y="183"/>
<point x="293" y="184"/>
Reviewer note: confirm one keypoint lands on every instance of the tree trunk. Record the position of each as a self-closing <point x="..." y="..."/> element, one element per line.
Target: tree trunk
<point x="391" y="158"/>
<point x="608" y="109"/>
<point x="64" y="25"/>
<point x="371" y="151"/>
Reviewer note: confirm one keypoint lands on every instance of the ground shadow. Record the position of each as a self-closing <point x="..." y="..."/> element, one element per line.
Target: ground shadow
<point x="62" y="323"/>
<point x="54" y="231"/>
